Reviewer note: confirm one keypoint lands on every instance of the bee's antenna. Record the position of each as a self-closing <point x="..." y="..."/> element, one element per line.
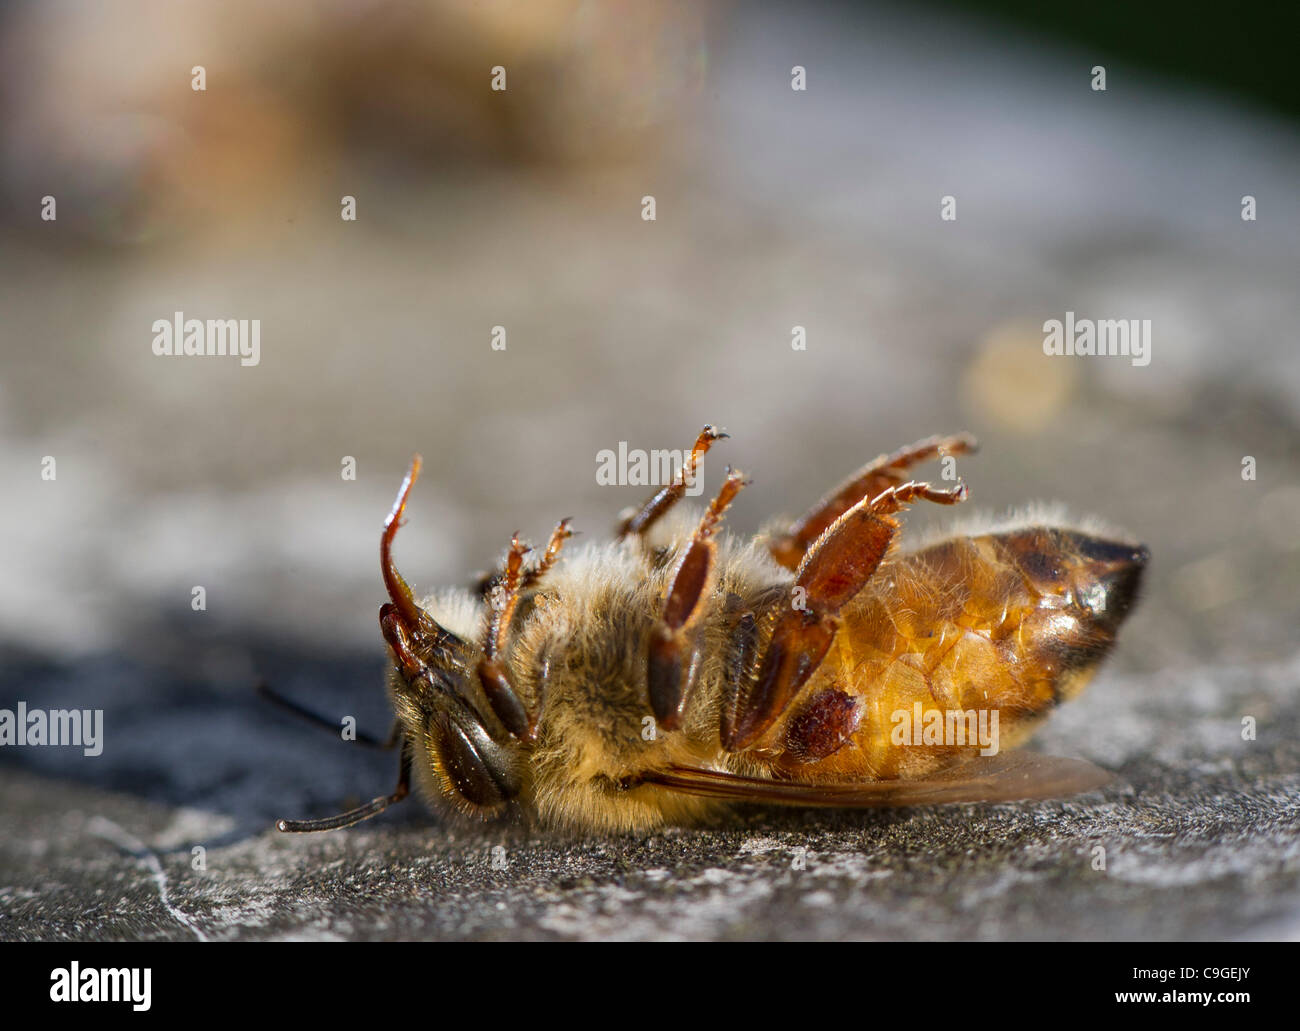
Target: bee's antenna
<point x="302" y="712"/>
<point x="398" y="589"/>
<point x="408" y="610"/>
<point x="364" y="812"/>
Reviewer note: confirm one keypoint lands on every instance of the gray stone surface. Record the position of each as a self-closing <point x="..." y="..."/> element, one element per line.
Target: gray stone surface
<point x="774" y="210"/>
<point x="1200" y="839"/>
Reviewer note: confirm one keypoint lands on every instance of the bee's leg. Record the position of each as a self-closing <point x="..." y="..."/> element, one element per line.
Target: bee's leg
<point x="868" y="482"/>
<point x="648" y="514"/>
<point x="559" y="535"/>
<point x="669" y="673"/>
<point x="503" y="599"/>
<point x="502" y="596"/>
<point x="833" y="571"/>
<point x="483" y="583"/>
<point x="364" y="812"/>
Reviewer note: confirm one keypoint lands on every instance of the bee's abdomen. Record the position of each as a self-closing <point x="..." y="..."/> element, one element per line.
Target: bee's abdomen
<point x="957" y="649"/>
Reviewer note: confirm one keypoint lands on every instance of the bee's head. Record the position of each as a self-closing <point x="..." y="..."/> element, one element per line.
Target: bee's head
<point x="439" y="685"/>
<point x="456" y="742"/>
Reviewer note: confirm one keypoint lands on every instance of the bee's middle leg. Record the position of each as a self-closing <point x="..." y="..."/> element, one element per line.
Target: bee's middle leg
<point x="670" y="662"/>
<point x="832" y="572"/>
<point x="638" y="523"/>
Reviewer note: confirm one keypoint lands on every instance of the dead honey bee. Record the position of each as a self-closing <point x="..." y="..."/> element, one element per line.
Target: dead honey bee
<point x="673" y="671"/>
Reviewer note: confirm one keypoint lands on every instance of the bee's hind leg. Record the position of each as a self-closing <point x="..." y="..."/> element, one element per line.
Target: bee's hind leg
<point x="670" y="661"/>
<point x="876" y="476"/>
<point x="832" y="572"/>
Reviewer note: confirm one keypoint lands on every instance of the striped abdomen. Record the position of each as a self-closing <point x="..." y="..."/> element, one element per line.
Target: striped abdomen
<point x="958" y="649"/>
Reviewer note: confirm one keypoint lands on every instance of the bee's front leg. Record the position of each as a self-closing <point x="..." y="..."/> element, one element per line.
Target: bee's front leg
<point x="502" y="594"/>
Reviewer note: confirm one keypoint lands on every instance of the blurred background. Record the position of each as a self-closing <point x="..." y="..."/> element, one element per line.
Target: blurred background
<point x="522" y="208"/>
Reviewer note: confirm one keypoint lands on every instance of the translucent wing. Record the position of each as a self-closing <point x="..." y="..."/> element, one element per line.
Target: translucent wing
<point x="1007" y="777"/>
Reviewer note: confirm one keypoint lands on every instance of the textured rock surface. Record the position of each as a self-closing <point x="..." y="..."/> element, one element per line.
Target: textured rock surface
<point x="1201" y="837"/>
<point x="775" y="209"/>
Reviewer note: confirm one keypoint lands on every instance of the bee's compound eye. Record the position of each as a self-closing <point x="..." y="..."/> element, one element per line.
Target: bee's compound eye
<point x="477" y="767"/>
